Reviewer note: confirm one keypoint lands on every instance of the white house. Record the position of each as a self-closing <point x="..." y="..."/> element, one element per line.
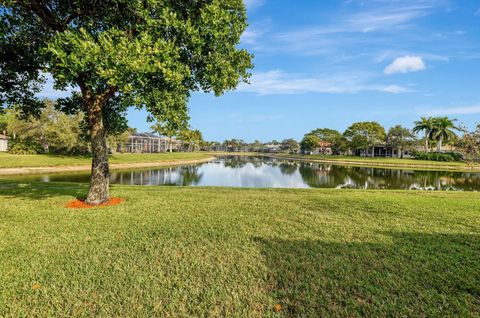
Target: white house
<point x="3" y="142"/>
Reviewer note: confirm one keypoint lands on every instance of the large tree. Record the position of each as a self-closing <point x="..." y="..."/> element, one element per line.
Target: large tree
<point x="310" y="142"/>
<point x="290" y="145"/>
<point x="119" y="53"/>
<point x="363" y="135"/>
<point x="400" y="138"/>
<point x="334" y="137"/>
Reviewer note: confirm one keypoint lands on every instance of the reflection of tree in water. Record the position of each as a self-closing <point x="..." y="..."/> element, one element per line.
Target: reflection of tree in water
<point x="313" y="174"/>
<point x="447" y="180"/>
<point x="288" y="168"/>
<point x="190" y="176"/>
<point x="331" y="176"/>
<point x="322" y="176"/>
<point x="242" y="161"/>
<point x="235" y="162"/>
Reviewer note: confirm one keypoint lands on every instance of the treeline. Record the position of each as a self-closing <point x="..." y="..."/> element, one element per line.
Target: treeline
<point x="52" y="131"/>
<point x="425" y="141"/>
<point x="431" y="138"/>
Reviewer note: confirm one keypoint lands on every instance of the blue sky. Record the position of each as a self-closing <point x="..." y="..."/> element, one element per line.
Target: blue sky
<point x="331" y="63"/>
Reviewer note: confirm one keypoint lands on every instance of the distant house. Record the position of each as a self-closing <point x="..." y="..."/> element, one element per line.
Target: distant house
<point x="3" y="142"/>
<point x="383" y="150"/>
<point x="150" y="143"/>
<point x="272" y="148"/>
<point x="323" y="148"/>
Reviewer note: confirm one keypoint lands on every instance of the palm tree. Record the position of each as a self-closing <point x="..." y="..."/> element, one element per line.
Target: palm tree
<point x="191" y="137"/>
<point x="425" y="124"/>
<point x="443" y="130"/>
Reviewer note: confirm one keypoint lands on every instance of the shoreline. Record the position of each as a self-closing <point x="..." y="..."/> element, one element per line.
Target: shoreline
<point x="139" y="165"/>
<point x="81" y="168"/>
<point x="380" y="165"/>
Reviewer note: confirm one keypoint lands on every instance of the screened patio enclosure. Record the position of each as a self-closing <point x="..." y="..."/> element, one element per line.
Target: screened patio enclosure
<point x="150" y="143"/>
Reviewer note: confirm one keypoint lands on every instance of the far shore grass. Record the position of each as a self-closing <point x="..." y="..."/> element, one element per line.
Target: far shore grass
<point x="221" y="252"/>
<point x="45" y="160"/>
<point x="382" y="162"/>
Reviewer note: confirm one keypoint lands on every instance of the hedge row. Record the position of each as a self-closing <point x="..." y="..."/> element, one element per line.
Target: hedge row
<point x="438" y="156"/>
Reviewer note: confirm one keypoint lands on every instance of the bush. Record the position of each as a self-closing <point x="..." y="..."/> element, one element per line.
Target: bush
<point x="438" y="156"/>
<point x="25" y="147"/>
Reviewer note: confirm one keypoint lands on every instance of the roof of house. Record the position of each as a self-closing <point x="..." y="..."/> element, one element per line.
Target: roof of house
<point x="149" y="135"/>
<point x="324" y="144"/>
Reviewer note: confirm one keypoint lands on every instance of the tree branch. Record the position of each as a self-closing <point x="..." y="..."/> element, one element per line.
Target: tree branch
<point x="46" y="15"/>
<point x="106" y="94"/>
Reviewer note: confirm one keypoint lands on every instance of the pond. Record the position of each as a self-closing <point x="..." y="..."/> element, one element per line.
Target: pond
<point x="262" y="172"/>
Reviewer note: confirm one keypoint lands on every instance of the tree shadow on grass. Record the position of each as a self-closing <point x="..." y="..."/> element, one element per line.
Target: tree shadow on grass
<point x="410" y="275"/>
<point x="41" y="190"/>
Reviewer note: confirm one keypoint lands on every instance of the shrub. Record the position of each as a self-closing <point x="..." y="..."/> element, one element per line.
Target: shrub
<point x="438" y="156"/>
<point x="26" y="147"/>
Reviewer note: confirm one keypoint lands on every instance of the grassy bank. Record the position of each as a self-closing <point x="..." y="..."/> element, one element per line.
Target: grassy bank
<point x="215" y="252"/>
<point x="31" y="161"/>
<point x="383" y="162"/>
<point x="43" y="160"/>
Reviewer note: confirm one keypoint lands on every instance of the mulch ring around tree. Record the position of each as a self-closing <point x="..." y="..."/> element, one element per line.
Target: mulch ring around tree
<point x="81" y="204"/>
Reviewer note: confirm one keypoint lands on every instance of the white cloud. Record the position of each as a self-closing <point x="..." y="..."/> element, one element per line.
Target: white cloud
<point x="383" y="17"/>
<point x="395" y="89"/>
<point x="377" y="20"/>
<point x="405" y="64"/>
<point x="376" y="25"/>
<point x="254" y="3"/>
<point x="281" y="83"/>
<point x="464" y="110"/>
<point x="250" y="36"/>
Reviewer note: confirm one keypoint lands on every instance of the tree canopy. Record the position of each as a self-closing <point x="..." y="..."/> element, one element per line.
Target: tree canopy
<point x="443" y="130"/>
<point x="310" y="142"/>
<point x="117" y="54"/>
<point x="363" y="135"/>
<point x="332" y="136"/>
<point x="290" y="145"/>
<point x="400" y="137"/>
<point x="425" y="125"/>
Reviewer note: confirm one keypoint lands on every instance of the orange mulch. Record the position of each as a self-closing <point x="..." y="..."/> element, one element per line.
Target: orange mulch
<point x="80" y="204"/>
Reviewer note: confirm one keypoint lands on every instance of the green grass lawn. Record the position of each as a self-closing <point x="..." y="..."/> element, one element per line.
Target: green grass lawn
<point x="217" y="252"/>
<point x="382" y="161"/>
<point x="43" y="160"/>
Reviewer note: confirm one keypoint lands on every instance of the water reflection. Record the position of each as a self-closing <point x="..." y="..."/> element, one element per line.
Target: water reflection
<point x="260" y="172"/>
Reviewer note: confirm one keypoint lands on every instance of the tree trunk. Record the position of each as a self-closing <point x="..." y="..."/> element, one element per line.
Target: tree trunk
<point x="426" y="144"/>
<point x="439" y="144"/>
<point x="170" y="144"/>
<point x="99" y="179"/>
<point x="399" y="152"/>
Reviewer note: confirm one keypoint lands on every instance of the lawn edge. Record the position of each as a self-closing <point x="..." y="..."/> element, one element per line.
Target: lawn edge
<point x="115" y="166"/>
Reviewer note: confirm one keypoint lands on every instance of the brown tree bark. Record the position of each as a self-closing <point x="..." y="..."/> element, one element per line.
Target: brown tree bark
<point x="98" y="192"/>
<point x="100" y="175"/>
